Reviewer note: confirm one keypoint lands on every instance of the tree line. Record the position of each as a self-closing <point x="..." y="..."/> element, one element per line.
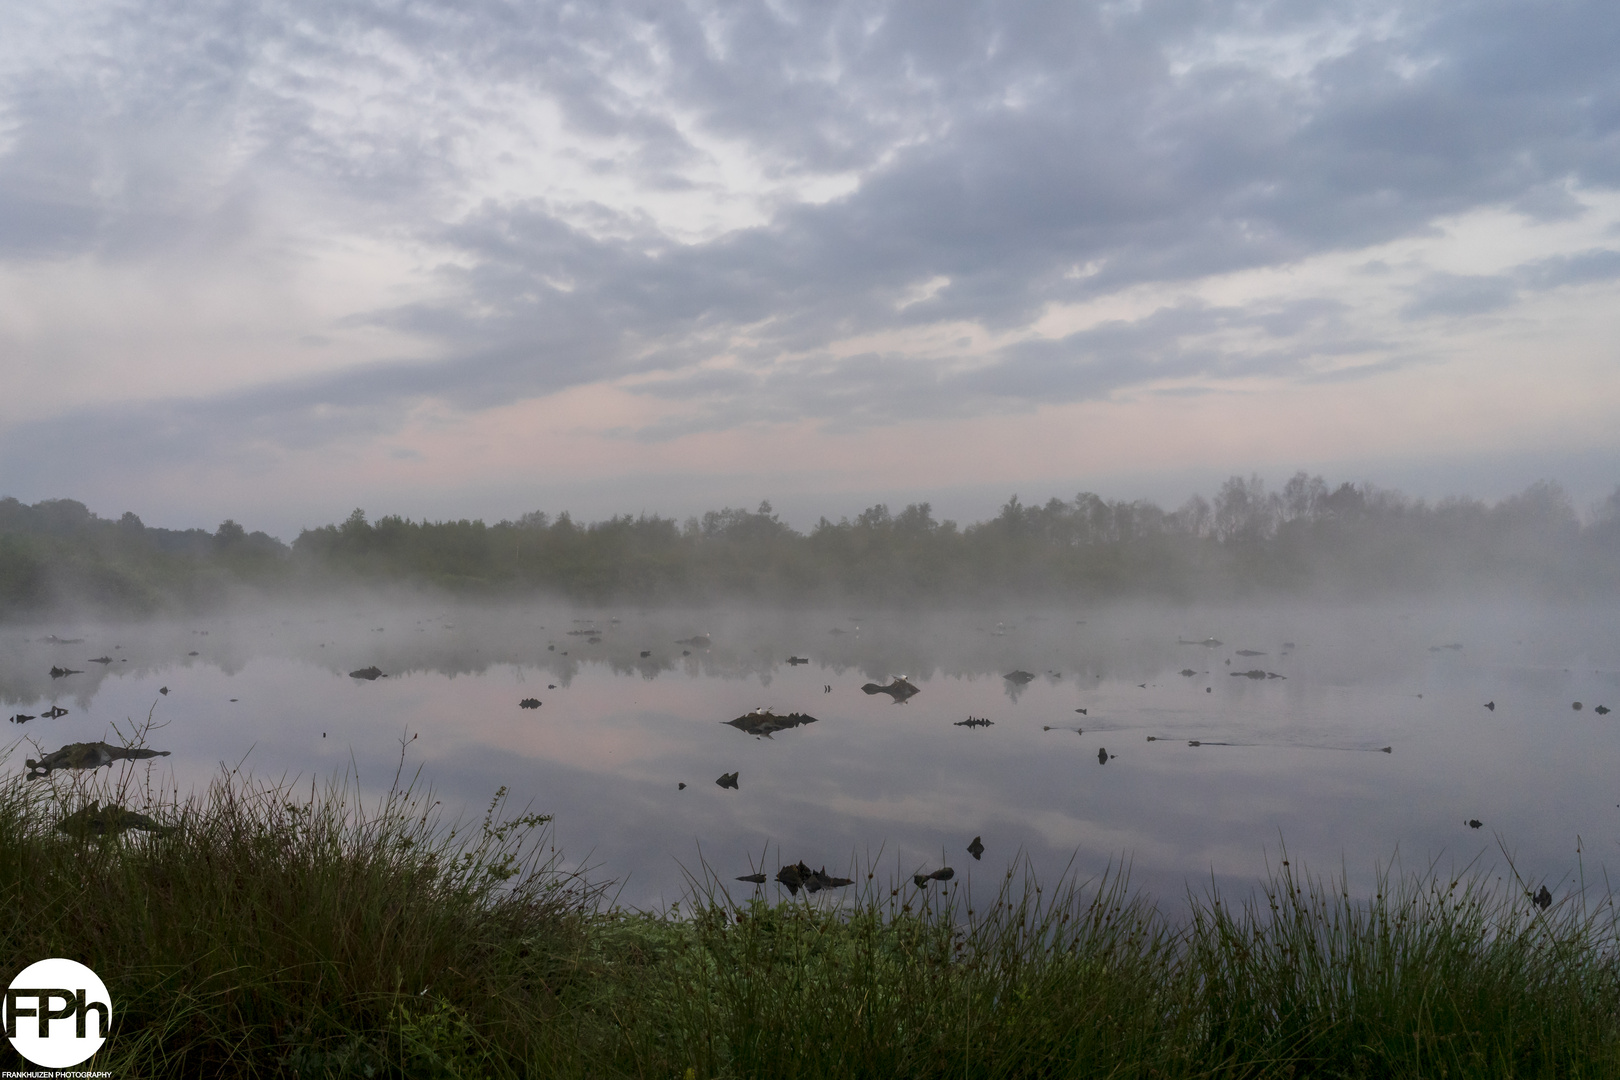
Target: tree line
<point x="1306" y="538"/>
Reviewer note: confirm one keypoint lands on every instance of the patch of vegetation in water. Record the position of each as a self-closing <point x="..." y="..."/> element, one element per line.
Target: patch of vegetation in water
<point x="265" y="931"/>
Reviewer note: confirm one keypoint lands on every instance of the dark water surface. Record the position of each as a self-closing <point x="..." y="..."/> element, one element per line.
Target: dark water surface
<point x="1296" y="760"/>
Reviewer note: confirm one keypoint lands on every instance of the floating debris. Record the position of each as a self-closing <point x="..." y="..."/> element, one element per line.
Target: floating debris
<point x="100" y="660"/>
<point x="974" y="721"/>
<point x="944" y="873"/>
<point x="900" y="689"/>
<point x="1082" y="712"/>
<point x="1454" y="647"/>
<point x="728" y="780"/>
<point x="21" y="718"/>
<point x="680" y="787"/>
<point x="1491" y="705"/>
<point x="797" y="660"/>
<point x="1474" y="823"/>
<point x="798" y="875"/>
<point x="86" y="756"/>
<point x="763" y="722"/>
<point x="54" y="640"/>
<point x="99" y="820"/>
<point x="976" y="849"/>
<point x="1542" y="899"/>
<point x="370" y="674"/>
<point x="1602" y="710"/>
<point x="1018" y="677"/>
<point x="838" y="630"/>
<point x="646" y="653"/>
<point x="1256" y="673"/>
<point x="196" y="654"/>
<point x="1102" y="756"/>
<point x="529" y="703"/>
<point x="53" y="712"/>
<point x="164" y="690"/>
<point x="62" y="672"/>
<point x="1249" y="652"/>
<point x="1208" y="643"/>
<point x="1576" y="706"/>
<point x="753" y="879"/>
<point x="584" y="633"/>
<point x="1187" y="671"/>
<point x="697" y="641"/>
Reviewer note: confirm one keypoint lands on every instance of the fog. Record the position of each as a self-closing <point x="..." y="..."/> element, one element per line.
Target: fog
<point x="1249" y="542"/>
<point x="1202" y="776"/>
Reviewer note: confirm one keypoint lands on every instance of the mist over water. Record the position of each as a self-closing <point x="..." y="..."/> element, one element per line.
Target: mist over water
<point x="1295" y="759"/>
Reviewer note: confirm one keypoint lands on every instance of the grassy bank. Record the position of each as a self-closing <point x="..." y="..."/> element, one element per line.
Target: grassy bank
<point x="273" y="932"/>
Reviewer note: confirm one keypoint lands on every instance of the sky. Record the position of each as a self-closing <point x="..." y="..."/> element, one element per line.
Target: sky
<point x="276" y="260"/>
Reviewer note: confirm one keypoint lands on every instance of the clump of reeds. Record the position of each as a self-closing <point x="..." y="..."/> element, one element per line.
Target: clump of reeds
<point x="266" y="931"/>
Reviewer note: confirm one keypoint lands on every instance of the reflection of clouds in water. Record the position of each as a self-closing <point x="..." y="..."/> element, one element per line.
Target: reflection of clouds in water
<point x="608" y="748"/>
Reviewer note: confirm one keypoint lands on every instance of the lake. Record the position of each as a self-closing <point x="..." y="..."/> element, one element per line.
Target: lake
<point x="1207" y="774"/>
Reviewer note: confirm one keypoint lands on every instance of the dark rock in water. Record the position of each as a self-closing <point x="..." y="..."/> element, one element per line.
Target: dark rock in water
<point x="1249" y="652"/>
<point x="370" y="674"/>
<point x="944" y="873"/>
<point x="799" y="876"/>
<point x="1576" y="706"/>
<point x="1102" y="756"/>
<point x="101" y="660"/>
<point x="646" y="653"/>
<point x="164" y="690"/>
<point x="1491" y="705"/>
<point x="1542" y="899"/>
<point x="974" y="721"/>
<point x="1208" y="643"/>
<point x="1255" y="674"/>
<point x="86" y="756"/>
<point x="53" y="712"/>
<point x="976" y="849"/>
<point x="1188" y="672"/>
<point x="753" y="879"/>
<point x="62" y="672"/>
<point x="529" y="703"/>
<point x="797" y="660"/>
<point x="764" y="722"/>
<point x="1602" y="710"/>
<point x="98" y="820"/>
<point x="728" y="780"/>
<point x="1474" y="823"/>
<point x="697" y="641"/>
<point x="1018" y="676"/>
<point x="21" y="718"/>
<point x="899" y="689"/>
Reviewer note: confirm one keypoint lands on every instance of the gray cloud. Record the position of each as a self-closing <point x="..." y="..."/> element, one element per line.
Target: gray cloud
<point x="1001" y="147"/>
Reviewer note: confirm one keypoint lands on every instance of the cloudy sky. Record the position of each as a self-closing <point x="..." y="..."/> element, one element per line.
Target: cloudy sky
<point x="275" y="260"/>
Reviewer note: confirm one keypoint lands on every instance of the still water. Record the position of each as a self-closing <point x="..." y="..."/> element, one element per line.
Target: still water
<point x="630" y="712"/>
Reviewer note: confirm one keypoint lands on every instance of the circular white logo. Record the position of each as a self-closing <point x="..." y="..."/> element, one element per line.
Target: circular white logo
<point x="57" y="1013"/>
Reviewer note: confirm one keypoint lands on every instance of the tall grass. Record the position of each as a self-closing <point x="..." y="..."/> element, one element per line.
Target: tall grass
<point x="274" y="932"/>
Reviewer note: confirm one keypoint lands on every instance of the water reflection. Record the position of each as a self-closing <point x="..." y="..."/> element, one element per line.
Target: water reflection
<point x="1363" y="733"/>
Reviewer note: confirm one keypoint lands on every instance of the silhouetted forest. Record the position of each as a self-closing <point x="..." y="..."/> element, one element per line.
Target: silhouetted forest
<point x="1306" y="539"/>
